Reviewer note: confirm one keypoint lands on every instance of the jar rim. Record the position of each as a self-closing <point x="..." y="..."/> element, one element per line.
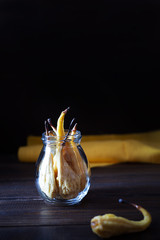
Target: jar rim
<point x="76" y="137"/>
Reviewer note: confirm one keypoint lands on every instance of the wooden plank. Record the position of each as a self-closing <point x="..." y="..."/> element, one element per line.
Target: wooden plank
<point x="34" y="213"/>
<point x="71" y="232"/>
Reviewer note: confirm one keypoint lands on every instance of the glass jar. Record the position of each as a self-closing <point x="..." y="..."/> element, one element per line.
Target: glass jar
<point x="62" y="170"/>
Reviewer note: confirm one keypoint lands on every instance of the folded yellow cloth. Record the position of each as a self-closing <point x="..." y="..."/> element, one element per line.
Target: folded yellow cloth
<point x="103" y="150"/>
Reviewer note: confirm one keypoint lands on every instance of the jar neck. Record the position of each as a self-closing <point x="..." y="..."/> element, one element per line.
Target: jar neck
<point x="52" y="139"/>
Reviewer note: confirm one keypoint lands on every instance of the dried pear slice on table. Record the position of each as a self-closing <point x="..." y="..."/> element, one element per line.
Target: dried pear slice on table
<point x="109" y="225"/>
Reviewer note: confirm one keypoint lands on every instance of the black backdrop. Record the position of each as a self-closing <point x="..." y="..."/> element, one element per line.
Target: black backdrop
<point x="101" y="58"/>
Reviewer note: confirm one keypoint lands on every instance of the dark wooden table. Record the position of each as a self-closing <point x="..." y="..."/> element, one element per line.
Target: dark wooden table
<point x="24" y="215"/>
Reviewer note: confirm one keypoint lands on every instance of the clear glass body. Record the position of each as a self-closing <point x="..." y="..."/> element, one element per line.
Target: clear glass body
<point x="62" y="170"/>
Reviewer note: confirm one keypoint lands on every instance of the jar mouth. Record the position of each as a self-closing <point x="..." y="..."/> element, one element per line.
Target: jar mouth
<point x="52" y="138"/>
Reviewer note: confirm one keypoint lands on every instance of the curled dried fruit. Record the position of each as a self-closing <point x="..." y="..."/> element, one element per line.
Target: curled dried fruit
<point x="110" y="225"/>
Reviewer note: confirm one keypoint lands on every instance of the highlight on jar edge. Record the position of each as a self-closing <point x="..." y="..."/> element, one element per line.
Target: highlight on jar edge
<point x="62" y="169"/>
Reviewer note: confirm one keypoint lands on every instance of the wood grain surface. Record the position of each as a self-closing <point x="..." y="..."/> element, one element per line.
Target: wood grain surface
<point x="24" y="215"/>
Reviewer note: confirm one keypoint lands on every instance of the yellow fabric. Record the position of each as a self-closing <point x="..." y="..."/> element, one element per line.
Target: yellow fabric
<point x="103" y="150"/>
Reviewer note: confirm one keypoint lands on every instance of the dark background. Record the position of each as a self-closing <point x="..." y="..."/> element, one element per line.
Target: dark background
<point x="101" y="58"/>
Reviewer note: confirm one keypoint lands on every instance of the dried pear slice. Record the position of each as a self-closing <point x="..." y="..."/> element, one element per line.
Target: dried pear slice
<point x="79" y="162"/>
<point x="47" y="181"/>
<point x="69" y="156"/>
<point x="68" y="181"/>
<point x="60" y="135"/>
<point x="60" y="125"/>
<point x="109" y="225"/>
